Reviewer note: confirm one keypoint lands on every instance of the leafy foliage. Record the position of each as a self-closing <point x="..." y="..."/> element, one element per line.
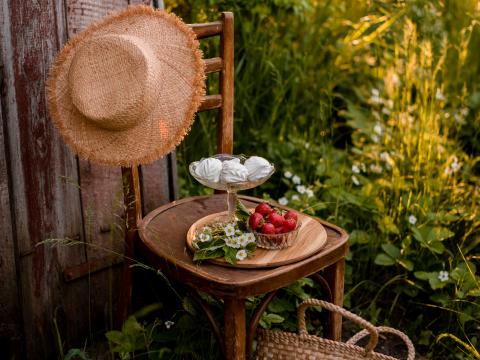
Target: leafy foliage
<point x="370" y="112"/>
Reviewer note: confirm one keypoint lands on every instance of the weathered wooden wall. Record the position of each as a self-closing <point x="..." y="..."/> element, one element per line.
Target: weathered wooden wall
<point x="46" y="192"/>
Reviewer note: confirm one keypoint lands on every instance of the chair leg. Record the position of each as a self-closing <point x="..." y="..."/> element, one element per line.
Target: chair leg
<point x="235" y="329"/>
<point x="334" y="274"/>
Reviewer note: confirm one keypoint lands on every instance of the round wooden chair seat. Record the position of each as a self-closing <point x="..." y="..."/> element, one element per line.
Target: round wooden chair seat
<point x="163" y="233"/>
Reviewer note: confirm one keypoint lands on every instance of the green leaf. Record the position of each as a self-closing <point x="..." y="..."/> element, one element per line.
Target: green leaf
<point x="407" y="264"/>
<point x="436" y="247"/>
<point x="273" y="318"/>
<point x="359" y="237"/>
<point x="384" y="260"/>
<point x="439" y="234"/>
<point x="388" y="226"/>
<point x="391" y="250"/>
<point x="76" y="354"/>
<point x="241" y="212"/>
<point x="422" y="275"/>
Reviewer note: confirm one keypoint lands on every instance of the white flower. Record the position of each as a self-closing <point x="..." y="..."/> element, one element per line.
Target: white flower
<point x="412" y="219"/>
<point x="384" y="156"/>
<point x="295" y="197"/>
<point x="287" y="174"/>
<point x="296" y="179"/>
<point x="443" y="276"/>
<point x="301" y="189"/>
<point x="362" y="167"/>
<point x="241" y="255"/>
<point x="385" y="111"/>
<point x="205" y="237"/>
<point x="229" y="230"/>
<point x="169" y="324"/>
<point x="395" y="79"/>
<point x="377" y="169"/>
<point x="242" y="240"/>
<point x="375" y="139"/>
<point x="283" y="200"/>
<point x="375" y="92"/>
<point x="458" y="118"/>
<point x="439" y="95"/>
<point x="307" y="145"/>
<point x="309" y="192"/>
<point x="355" y="169"/>
<point x="232" y="242"/>
<point x="465" y="111"/>
<point x="376" y="99"/>
<point x="249" y="237"/>
<point x="455" y="166"/>
<point x="355" y="180"/>
<point x="378" y="129"/>
<point x="207" y="229"/>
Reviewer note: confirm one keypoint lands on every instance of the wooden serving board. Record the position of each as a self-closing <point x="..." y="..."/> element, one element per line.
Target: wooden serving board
<point x="311" y="238"/>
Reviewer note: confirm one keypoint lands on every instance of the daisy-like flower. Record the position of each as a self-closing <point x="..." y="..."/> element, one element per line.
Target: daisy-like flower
<point x="169" y="324"/>
<point x="296" y="179"/>
<point x="376" y="99"/>
<point x="307" y="145"/>
<point x="287" y="174"/>
<point x="207" y="229"/>
<point x="242" y="240"/>
<point x="241" y="255"/>
<point x="375" y="139"/>
<point x="283" y="200"/>
<point x="301" y="189"/>
<point x="385" y="111"/>
<point x="378" y="129"/>
<point x="439" y="95"/>
<point x="249" y="237"/>
<point x="355" y="169"/>
<point x="465" y="111"/>
<point x="295" y="197"/>
<point x="232" y="242"/>
<point x="377" y="169"/>
<point x="385" y="156"/>
<point x="229" y="230"/>
<point x="204" y="237"/>
<point x="355" y="180"/>
<point x="443" y="276"/>
<point x="309" y="192"/>
<point x="412" y="219"/>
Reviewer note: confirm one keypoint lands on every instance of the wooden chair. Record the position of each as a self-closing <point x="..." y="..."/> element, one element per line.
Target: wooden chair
<point x="159" y="238"/>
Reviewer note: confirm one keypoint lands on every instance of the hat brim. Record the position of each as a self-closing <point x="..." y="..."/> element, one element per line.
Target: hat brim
<point x="182" y="89"/>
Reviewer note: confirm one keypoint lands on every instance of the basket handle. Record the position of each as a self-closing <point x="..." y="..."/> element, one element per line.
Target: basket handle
<point x="385" y="329"/>
<point x="346" y="314"/>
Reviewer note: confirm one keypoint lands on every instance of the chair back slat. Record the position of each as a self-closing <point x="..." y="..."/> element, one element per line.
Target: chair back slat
<point x="213" y="65"/>
<point x="210" y="102"/>
<point x="207" y="29"/>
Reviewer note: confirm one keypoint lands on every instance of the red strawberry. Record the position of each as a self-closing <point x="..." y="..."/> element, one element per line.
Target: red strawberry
<point x="291" y="215"/>
<point x="276" y="219"/>
<point x="268" y="229"/>
<point x="279" y="230"/>
<point x="255" y="221"/>
<point x="289" y="225"/>
<point x="263" y="209"/>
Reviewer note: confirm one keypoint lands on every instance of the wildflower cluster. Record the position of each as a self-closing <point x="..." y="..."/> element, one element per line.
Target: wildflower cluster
<point x="300" y="192"/>
<point x="227" y="240"/>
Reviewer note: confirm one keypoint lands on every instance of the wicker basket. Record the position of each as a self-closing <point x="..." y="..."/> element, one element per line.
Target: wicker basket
<point x="289" y="346"/>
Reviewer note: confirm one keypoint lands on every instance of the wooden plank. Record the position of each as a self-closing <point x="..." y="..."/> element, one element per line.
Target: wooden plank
<point x="44" y="206"/>
<point x="207" y="29"/>
<point x="225" y="116"/>
<point x="101" y="191"/>
<point x="213" y="65"/>
<point x="210" y="102"/>
<point x="335" y="276"/>
<point x="10" y="324"/>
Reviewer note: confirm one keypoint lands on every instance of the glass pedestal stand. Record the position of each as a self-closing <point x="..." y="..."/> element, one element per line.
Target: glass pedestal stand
<point x="231" y="188"/>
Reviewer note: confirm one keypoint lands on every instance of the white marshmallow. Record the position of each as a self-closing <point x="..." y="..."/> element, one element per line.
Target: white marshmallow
<point x="257" y="167"/>
<point x="209" y="169"/>
<point x="233" y="171"/>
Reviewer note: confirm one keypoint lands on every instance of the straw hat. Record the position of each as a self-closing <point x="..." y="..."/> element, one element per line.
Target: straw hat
<point x="125" y="91"/>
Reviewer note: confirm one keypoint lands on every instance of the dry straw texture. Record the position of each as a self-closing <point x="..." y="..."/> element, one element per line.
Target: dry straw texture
<point x="281" y="345"/>
<point x="125" y="91"/>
